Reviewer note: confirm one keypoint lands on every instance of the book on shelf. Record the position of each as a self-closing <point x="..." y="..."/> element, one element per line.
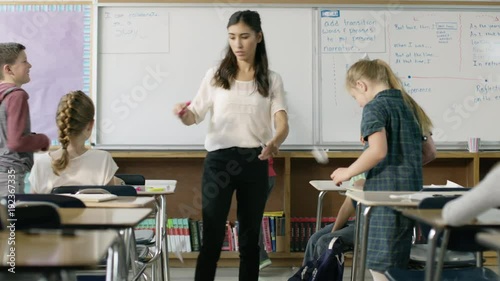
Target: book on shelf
<point x="186" y="235"/>
<point x="195" y="237"/>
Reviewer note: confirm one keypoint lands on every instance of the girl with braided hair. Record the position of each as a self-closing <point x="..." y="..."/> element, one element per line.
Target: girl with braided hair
<point x="73" y="163"/>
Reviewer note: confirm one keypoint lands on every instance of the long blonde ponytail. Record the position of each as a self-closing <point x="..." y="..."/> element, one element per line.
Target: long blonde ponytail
<point x="379" y="71"/>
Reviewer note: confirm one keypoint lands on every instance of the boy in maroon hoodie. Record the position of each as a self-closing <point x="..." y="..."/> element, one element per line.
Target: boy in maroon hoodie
<point x="17" y="142"/>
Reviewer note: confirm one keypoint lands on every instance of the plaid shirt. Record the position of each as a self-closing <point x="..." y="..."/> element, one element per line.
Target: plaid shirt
<point x="389" y="241"/>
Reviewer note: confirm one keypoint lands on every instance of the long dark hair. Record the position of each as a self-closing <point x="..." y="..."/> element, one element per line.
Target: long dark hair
<point x="228" y="67"/>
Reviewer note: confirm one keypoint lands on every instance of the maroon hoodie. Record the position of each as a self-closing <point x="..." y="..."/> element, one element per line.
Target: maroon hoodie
<point x="17" y="142"/>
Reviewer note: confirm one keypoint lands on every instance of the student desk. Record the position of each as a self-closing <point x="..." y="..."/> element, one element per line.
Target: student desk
<point x="128" y="202"/>
<point x="323" y="186"/>
<point x="48" y="252"/>
<point x="433" y="217"/>
<point x="109" y="218"/>
<point x="374" y="199"/>
<point x="160" y="198"/>
<point x="102" y="218"/>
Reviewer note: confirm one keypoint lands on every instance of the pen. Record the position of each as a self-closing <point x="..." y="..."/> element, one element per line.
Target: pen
<point x="184" y="109"/>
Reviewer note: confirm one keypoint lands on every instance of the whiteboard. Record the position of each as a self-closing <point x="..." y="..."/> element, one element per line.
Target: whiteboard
<point x="449" y="61"/>
<point x="146" y="64"/>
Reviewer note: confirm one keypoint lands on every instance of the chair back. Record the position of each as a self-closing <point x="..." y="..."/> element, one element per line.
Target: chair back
<point x="60" y="201"/>
<point x="462" y="239"/>
<point x="30" y="215"/>
<point x="118" y="190"/>
<point x="132" y="179"/>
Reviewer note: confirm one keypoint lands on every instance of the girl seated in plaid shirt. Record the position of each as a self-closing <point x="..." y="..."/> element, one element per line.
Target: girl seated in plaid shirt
<point x="393" y="124"/>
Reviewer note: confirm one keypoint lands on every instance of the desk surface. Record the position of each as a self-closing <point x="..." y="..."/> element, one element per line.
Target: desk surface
<point x="434" y="217"/>
<point x="383" y="198"/>
<point x="83" y="250"/>
<point x="124" y="202"/>
<point x="328" y="185"/>
<point x="102" y="217"/>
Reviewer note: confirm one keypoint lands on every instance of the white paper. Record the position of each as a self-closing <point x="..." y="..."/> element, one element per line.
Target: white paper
<point x="448" y="184"/>
<point x="426" y="194"/>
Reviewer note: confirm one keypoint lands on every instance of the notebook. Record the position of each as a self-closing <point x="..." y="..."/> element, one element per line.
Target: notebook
<point x="94" y="197"/>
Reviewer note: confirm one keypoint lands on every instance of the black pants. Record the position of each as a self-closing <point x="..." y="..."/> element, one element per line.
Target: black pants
<point x="226" y="171"/>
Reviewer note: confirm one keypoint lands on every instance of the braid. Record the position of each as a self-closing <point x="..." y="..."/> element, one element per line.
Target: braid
<point x="74" y="113"/>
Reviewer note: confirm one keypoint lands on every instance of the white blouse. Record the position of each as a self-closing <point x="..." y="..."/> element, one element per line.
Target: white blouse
<point x="94" y="167"/>
<point x="240" y="116"/>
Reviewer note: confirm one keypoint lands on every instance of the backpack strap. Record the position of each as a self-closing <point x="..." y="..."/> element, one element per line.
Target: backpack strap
<point x="10" y="90"/>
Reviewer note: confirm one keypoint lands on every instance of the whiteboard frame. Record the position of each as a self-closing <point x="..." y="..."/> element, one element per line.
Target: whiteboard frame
<point x="316" y="89"/>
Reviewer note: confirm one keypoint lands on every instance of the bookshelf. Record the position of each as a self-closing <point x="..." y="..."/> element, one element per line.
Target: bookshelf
<point x="292" y="192"/>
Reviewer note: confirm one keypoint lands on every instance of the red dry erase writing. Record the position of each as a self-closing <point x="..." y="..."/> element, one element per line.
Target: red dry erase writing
<point x="184" y="108"/>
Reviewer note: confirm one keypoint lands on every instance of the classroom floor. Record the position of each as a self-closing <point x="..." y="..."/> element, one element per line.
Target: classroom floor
<point x="268" y="274"/>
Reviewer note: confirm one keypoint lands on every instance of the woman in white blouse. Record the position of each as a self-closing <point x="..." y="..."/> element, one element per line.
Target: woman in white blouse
<point x="242" y="96"/>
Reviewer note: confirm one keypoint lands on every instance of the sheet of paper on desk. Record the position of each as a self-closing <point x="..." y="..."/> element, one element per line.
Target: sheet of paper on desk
<point x="93" y="197"/>
<point x="490" y="216"/>
<point x="418" y="196"/>
<point x="448" y="184"/>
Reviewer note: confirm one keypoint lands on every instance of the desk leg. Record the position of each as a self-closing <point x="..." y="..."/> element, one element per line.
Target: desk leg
<point x="431" y="253"/>
<point x="164" y="244"/>
<point x="319" y="210"/>
<point x="444" y="246"/>
<point x="156" y="266"/>
<point x="111" y="270"/>
<point x="356" y="242"/>
<point x="134" y="259"/>
<point x="364" y="242"/>
<point x="115" y="266"/>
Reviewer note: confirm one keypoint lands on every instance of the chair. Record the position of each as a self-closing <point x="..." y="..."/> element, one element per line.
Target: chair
<point x="459" y="240"/>
<point x="39" y="215"/>
<point x="118" y="190"/>
<point x="132" y="179"/>
<point x="418" y="255"/>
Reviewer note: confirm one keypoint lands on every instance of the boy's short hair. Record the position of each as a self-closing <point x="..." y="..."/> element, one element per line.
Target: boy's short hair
<point x="9" y="53"/>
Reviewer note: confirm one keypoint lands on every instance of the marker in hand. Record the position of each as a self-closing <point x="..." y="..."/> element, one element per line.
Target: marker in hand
<point x="183" y="111"/>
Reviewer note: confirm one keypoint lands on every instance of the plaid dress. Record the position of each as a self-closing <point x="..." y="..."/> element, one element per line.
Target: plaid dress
<point x="389" y="239"/>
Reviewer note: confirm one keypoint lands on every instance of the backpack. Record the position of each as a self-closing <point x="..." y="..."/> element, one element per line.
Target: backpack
<point x="328" y="267"/>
